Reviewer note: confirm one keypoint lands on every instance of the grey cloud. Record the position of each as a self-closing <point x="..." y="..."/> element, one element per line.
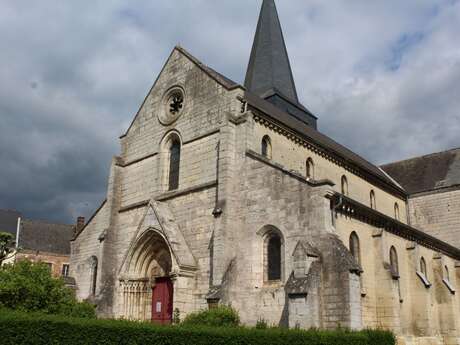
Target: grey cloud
<point x="73" y="74"/>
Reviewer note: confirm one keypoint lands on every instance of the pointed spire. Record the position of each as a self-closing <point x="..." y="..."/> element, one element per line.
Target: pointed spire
<point x="269" y="73"/>
<point x="269" y="68"/>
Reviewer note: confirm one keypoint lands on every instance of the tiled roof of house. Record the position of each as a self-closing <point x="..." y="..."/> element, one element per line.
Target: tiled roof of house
<point x="43" y="236"/>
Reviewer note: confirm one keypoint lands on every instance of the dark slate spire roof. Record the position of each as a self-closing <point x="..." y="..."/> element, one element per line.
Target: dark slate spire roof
<point x="269" y="66"/>
<point x="269" y="73"/>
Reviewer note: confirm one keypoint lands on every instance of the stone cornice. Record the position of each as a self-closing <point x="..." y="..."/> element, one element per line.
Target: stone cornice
<point x="122" y="164"/>
<point x="181" y="192"/>
<point x="435" y="191"/>
<point x="294" y="174"/>
<point x="323" y="152"/>
<point x="169" y="195"/>
<point x="356" y="210"/>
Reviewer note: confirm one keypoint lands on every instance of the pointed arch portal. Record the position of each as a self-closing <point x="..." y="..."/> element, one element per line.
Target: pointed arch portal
<point x="148" y="288"/>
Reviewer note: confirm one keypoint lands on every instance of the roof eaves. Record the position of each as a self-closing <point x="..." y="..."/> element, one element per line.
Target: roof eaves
<point x="394" y="226"/>
<point x="269" y="109"/>
<point x="222" y="80"/>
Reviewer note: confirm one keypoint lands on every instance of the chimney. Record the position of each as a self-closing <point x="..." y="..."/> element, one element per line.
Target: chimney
<point x="80" y="224"/>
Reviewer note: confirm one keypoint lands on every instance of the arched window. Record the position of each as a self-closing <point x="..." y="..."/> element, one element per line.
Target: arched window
<point x="93" y="272"/>
<point x="310" y="168"/>
<point x="354" y="247"/>
<point x="266" y="147"/>
<point x="372" y="200"/>
<point x="274" y="258"/>
<point x="396" y="211"/>
<point x="344" y="185"/>
<point x="174" y="164"/>
<point x="273" y="253"/>
<point x="423" y="267"/>
<point x="394" y="265"/>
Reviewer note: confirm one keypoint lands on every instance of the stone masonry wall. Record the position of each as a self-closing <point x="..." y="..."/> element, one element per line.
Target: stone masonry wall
<point x="417" y="314"/>
<point x="294" y="156"/>
<point x="438" y="214"/>
<point x="272" y="198"/>
<point x="139" y="174"/>
<point x="83" y="248"/>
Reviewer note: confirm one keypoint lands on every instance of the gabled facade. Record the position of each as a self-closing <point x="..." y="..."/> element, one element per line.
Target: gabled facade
<point x="222" y="194"/>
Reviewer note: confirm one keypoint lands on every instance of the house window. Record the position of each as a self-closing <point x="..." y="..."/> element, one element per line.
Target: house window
<point x="344" y="185"/>
<point x="93" y="273"/>
<point x="446" y="273"/>
<point x="310" y="169"/>
<point x="397" y="211"/>
<point x="354" y="247"/>
<point x="266" y="147"/>
<point x="372" y="199"/>
<point x="65" y="270"/>
<point x="50" y="266"/>
<point x="174" y="165"/>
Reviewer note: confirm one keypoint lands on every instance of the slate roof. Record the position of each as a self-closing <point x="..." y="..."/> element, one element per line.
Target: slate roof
<point x="299" y="126"/>
<point x="320" y="139"/>
<point x="427" y="173"/>
<point x="269" y="66"/>
<point x="45" y="237"/>
<point x="269" y="74"/>
<point x="9" y="221"/>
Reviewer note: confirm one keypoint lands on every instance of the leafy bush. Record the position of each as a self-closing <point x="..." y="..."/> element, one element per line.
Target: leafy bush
<point x="261" y="324"/>
<point x="27" y="286"/>
<point x="221" y="316"/>
<point x="34" y="329"/>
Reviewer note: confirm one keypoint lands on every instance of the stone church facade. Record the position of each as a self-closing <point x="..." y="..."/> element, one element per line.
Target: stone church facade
<point x="228" y="194"/>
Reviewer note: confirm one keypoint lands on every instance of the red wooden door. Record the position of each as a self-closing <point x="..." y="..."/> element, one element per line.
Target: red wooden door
<point x="162" y="301"/>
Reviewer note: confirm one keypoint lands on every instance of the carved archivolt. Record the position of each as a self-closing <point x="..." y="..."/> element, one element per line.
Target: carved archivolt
<point x="149" y="258"/>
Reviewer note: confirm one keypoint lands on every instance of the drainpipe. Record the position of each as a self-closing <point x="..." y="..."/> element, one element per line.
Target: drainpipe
<point x="18" y="229"/>
<point x="217" y="210"/>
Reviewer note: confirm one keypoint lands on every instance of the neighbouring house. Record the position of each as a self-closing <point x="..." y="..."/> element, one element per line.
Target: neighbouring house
<point x="40" y="241"/>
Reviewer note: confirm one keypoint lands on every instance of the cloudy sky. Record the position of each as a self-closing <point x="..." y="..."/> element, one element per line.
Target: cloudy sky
<point x="383" y="77"/>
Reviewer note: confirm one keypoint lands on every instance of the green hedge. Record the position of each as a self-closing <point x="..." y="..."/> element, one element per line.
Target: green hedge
<point x="35" y="329"/>
<point x="221" y="316"/>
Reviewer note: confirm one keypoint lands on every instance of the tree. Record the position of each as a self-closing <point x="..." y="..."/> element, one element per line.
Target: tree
<point x="28" y="286"/>
<point x="6" y="246"/>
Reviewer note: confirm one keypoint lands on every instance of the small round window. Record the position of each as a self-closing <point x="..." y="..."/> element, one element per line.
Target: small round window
<point x="173" y="105"/>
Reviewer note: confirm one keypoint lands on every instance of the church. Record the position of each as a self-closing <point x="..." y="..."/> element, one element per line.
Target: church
<point x="228" y="194"/>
